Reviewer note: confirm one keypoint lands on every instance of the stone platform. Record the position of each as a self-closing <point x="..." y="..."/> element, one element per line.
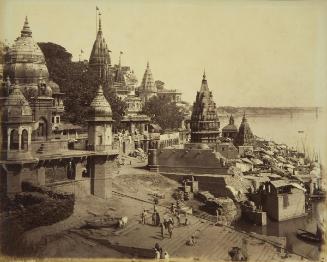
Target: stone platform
<point x="212" y="242"/>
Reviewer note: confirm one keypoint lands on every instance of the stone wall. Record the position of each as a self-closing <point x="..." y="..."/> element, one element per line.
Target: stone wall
<point x="214" y="184"/>
<point x="282" y="207"/>
<point x="197" y="161"/>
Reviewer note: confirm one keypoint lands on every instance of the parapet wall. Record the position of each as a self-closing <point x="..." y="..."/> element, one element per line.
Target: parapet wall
<point x="198" y="161"/>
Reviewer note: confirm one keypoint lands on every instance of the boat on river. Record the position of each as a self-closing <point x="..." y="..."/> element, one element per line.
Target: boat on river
<point x="308" y="236"/>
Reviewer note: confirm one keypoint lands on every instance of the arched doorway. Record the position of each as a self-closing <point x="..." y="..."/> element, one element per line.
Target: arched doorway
<point x="42" y="129"/>
<point x="14" y="140"/>
<point x="24" y="140"/>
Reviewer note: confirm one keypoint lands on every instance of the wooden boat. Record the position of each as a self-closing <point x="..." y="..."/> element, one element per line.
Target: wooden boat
<point x="307" y="236"/>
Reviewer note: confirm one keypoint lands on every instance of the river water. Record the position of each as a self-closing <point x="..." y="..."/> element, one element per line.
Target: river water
<point x="312" y="136"/>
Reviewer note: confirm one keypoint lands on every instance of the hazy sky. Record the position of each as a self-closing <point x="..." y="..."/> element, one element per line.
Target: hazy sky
<point x="258" y="53"/>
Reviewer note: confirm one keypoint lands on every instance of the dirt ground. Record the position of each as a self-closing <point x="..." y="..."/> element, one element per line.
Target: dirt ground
<point x="131" y="179"/>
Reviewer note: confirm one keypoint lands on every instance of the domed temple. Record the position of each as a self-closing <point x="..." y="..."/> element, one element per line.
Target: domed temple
<point x="204" y="120"/>
<point x="25" y="61"/>
<point x="230" y="131"/>
<point x="31" y="142"/>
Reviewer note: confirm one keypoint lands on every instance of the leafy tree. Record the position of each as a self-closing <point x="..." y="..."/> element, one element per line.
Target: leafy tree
<point x="78" y="83"/>
<point x="164" y="112"/>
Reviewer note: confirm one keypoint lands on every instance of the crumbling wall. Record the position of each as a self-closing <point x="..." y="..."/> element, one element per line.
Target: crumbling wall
<point x="37" y="206"/>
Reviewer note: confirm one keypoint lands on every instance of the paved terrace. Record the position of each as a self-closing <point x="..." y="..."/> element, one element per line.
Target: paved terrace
<point x="212" y="242"/>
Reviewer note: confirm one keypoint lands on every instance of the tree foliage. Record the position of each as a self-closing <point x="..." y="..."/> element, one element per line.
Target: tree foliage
<point x="78" y="83"/>
<point x="164" y="112"/>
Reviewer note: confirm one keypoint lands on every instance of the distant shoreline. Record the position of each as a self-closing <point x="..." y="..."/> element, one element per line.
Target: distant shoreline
<point x="227" y="110"/>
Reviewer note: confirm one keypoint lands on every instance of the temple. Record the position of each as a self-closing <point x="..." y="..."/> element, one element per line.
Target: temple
<point x="244" y="136"/>
<point x="32" y="146"/>
<point x="230" y="131"/>
<point x="150" y="88"/>
<point x="204" y="120"/>
<point x="147" y="89"/>
<point x="100" y="62"/>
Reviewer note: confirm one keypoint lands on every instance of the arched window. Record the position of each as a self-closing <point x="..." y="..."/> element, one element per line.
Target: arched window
<point x="24" y="140"/>
<point x="14" y="140"/>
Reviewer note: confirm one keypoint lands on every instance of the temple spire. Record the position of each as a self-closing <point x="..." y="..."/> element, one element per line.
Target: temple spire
<point x="100" y="28"/>
<point x="231" y="120"/>
<point x="26" y="31"/>
<point x="204" y="84"/>
<point x="244" y="117"/>
<point x="120" y="58"/>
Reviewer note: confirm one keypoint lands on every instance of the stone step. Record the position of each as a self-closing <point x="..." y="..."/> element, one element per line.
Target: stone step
<point x="223" y="246"/>
<point x="181" y="239"/>
<point x="216" y="246"/>
<point x="183" y="242"/>
<point x="266" y="254"/>
<point x="182" y="231"/>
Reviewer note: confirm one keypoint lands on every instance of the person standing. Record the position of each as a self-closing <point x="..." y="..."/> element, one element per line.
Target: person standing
<point x="178" y="218"/>
<point x="154" y="218"/>
<point x="217" y="215"/>
<point x="170" y="229"/>
<point x="143" y="217"/>
<point x="162" y="229"/>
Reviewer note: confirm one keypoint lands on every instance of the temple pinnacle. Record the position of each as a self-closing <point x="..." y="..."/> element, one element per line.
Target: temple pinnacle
<point x="26" y="31"/>
<point x="100" y="29"/>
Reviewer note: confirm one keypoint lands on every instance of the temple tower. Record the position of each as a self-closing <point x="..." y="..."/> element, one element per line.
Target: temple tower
<point x="244" y="136"/>
<point x="147" y="88"/>
<point x="100" y="61"/>
<point x="204" y="120"/>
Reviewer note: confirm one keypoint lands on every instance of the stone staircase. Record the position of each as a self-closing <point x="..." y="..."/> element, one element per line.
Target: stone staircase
<point x="184" y="233"/>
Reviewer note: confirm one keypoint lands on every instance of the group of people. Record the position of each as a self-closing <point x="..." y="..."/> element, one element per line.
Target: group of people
<point x="160" y="253"/>
<point x="167" y="224"/>
<point x="155" y="217"/>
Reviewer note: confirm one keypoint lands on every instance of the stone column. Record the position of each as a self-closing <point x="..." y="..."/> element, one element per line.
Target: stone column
<point x="146" y="146"/>
<point x="8" y="139"/>
<point x="19" y="139"/>
<point x="101" y="177"/>
<point x="153" y="160"/>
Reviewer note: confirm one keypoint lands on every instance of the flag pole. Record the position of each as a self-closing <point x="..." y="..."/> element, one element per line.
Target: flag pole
<point x="96" y="21"/>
